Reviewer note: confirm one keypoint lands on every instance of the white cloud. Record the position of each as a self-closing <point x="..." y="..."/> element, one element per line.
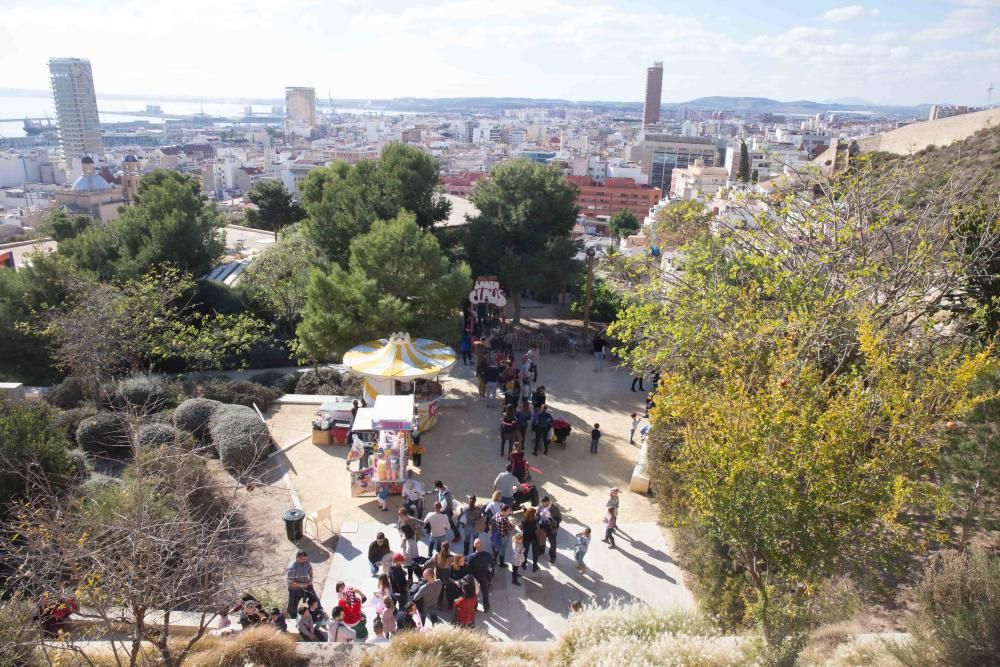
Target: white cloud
<point x="883" y="36"/>
<point x="843" y="13"/>
<point x="993" y="37"/>
<point x="970" y="19"/>
<point x="874" y="12"/>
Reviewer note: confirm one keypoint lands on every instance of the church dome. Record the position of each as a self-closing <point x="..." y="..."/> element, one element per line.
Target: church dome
<point x="131" y="158"/>
<point x="87" y="160"/>
<point x="90" y="182"/>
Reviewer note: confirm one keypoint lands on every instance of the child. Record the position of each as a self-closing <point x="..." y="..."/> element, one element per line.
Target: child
<point x="383" y="497"/>
<point x="278" y="619"/>
<point x="635" y="427"/>
<point x="379" y="636"/>
<point x="595" y="436"/>
<point x="582" y="542"/>
<point x="649" y="403"/>
<point x="609" y="532"/>
<point x="388" y="615"/>
<point x="518" y="560"/>
<point x="613" y="501"/>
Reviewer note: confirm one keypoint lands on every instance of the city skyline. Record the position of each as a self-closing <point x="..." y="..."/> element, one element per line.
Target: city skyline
<point x="886" y="53"/>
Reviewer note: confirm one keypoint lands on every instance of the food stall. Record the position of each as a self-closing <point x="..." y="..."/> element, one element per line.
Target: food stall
<point x="401" y="366"/>
<point x="332" y="423"/>
<point x="386" y="426"/>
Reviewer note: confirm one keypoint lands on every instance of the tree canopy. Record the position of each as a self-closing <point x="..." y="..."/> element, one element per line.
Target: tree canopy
<point x="342" y="200"/>
<point x="743" y="173"/>
<point x="170" y="222"/>
<point x="275" y="208"/>
<point x="397" y="279"/>
<point x="623" y="223"/>
<point x="522" y="232"/>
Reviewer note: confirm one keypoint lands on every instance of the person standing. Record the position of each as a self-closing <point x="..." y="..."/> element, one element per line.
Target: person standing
<point x="518" y="464"/>
<point x="529" y="535"/>
<point x="299" y="576"/>
<point x="506" y="483"/>
<point x="518" y="560"/>
<point x="614" y="501"/>
<point x="481" y="366"/>
<point x="542" y="425"/>
<point x="492" y="376"/>
<point x="398" y="583"/>
<point x="609" y="531"/>
<point x="500" y="534"/>
<point x="523" y="418"/>
<point x="595" y="437"/>
<point x="415" y="448"/>
<point x="448" y="507"/>
<point x="637" y="379"/>
<point x="428" y="594"/>
<point x="350" y="603"/>
<point x="466" y="347"/>
<point x="533" y="359"/>
<point x="599" y="344"/>
<point x="633" y="428"/>
<point x="481" y="564"/>
<point x="436" y="526"/>
<point x="377" y="551"/>
<point x="549" y="518"/>
<point x="538" y="398"/>
<point x="650" y="403"/>
<point x="580" y="550"/>
<point x="469" y="520"/>
<point x="465" y="605"/>
<point x="508" y="425"/>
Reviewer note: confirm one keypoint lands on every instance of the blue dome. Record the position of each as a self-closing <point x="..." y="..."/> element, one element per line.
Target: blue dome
<point x="90" y="182"/>
<point x="131" y="158"/>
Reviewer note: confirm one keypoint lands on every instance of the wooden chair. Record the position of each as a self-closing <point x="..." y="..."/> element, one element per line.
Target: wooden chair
<point x="320" y="515"/>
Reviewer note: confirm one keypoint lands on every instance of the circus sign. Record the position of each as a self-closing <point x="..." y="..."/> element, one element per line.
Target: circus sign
<point x="487" y="290"/>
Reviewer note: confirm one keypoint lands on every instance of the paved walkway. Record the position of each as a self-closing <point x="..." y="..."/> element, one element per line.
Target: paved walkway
<point x="463" y="451"/>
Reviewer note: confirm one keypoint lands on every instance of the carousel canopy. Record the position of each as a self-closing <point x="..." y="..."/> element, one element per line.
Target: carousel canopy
<point x="401" y="358"/>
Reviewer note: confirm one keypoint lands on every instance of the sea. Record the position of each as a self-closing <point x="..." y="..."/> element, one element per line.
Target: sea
<point x="13" y="110"/>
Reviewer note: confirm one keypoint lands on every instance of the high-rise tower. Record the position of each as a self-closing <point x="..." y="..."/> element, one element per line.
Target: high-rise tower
<point x="654" y="90"/>
<point x="300" y="110"/>
<point x="76" y="107"/>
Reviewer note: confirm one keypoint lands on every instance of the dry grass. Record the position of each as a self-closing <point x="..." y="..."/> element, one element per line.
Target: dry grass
<point x="260" y="645"/>
<point x="448" y="647"/>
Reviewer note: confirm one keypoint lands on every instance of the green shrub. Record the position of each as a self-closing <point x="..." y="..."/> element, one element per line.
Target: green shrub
<point x="68" y="394"/>
<point x="287" y="383"/>
<point x="148" y="393"/>
<point x="240" y="392"/>
<point x="239" y="436"/>
<point x="721" y="587"/>
<point x="957" y="618"/>
<point x="106" y="433"/>
<point x="156" y="434"/>
<point x="29" y="438"/>
<point x="194" y="416"/>
<point x="81" y="467"/>
<point x="267" y="378"/>
<point x="69" y="421"/>
<point x="97" y="484"/>
<point x="328" y="381"/>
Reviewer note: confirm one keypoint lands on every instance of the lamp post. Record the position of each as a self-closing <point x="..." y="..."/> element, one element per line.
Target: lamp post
<point x="591" y="253"/>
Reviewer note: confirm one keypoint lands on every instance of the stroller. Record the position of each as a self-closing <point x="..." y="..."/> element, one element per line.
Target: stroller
<point x="561" y="429"/>
<point x="524" y="494"/>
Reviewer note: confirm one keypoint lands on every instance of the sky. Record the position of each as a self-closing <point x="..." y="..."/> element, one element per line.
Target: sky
<point x="888" y="52"/>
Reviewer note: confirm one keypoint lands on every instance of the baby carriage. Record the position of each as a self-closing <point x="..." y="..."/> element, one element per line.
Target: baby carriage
<point x="561" y="429"/>
<point x="524" y="494"/>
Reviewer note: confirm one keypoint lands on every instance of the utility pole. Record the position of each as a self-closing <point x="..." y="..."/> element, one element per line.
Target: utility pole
<point x="591" y="253"/>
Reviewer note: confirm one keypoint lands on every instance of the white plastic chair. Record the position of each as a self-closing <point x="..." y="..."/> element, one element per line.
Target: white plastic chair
<point x="322" y="514"/>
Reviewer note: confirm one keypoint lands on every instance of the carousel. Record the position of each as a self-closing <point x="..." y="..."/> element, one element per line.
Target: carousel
<point x="400" y="366"/>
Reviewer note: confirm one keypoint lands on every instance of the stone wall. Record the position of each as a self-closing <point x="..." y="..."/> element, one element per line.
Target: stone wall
<point x="917" y="136"/>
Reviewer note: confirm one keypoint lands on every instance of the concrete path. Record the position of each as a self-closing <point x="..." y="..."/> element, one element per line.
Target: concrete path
<point x="463" y="451"/>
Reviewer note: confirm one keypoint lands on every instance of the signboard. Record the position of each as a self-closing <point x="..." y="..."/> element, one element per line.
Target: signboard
<point x="487" y="290"/>
<point x="7" y="259"/>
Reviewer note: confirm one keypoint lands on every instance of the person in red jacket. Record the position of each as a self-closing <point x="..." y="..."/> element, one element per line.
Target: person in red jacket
<point x="465" y="606"/>
<point x="518" y="464"/>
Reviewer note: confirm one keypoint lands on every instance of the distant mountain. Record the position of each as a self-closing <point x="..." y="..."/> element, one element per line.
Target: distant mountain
<point x="797" y="107"/>
<point x="853" y="101"/>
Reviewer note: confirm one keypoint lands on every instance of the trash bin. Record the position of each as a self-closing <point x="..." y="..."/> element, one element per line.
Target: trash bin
<point x="293" y="524"/>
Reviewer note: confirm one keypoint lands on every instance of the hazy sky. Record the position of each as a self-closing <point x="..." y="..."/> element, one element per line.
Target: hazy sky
<point x="899" y="51"/>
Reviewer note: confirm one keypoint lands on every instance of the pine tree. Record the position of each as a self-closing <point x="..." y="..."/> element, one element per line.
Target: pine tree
<point x="743" y="175"/>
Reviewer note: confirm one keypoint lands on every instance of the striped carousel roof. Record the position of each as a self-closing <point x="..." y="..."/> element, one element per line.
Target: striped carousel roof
<point x="400" y="357"/>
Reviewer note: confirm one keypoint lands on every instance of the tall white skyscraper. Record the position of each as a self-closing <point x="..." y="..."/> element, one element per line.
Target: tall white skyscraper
<point x="300" y="110"/>
<point x="76" y="107"/>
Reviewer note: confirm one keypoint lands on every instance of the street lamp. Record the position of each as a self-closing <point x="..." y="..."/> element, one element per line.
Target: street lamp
<point x="591" y="253"/>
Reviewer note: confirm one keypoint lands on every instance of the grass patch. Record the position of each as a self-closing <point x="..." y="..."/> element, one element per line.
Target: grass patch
<point x="448" y="647"/>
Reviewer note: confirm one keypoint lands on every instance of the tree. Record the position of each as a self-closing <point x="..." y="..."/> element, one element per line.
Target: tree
<point x="61" y="225"/>
<point x="279" y="277"/>
<point x="107" y="329"/>
<point x="397" y="280"/>
<point x="679" y="222"/>
<point x="754" y="175"/>
<point x="342" y="200"/>
<point x="743" y="175"/>
<point x="275" y="208"/>
<point x="605" y="302"/>
<point x="807" y="364"/>
<point x="623" y="223"/>
<point x="170" y="222"/>
<point x="521" y="235"/>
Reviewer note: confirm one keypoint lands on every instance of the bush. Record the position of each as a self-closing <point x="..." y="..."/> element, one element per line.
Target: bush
<point x="149" y="393"/>
<point x="258" y="645"/>
<point x="106" y="433"/>
<point x="69" y="421"/>
<point x="957" y="618"/>
<point x="97" y="484"/>
<point x="29" y="440"/>
<point x="721" y="586"/>
<point x="156" y="434"/>
<point x="68" y="394"/>
<point x="194" y="416"/>
<point x="621" y="628"/>
<point x="81" y="467"/>
<point x="443" y="645"/>
<point x="19" y="633"/>
<point x="239" y="436"/>
<point x="240" y="392"/>
<point x="270" y="353"/>
<point x="329" y="381"/>
<point x="286" y="383"/>
<point x="267" y="378"/>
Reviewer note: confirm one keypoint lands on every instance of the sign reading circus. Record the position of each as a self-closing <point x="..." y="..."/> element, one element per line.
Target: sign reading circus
<point x="487" y="290"/>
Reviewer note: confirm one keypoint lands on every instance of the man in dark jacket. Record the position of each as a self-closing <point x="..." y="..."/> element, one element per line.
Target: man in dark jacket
<point x="542" y="425"/>
<point x="481" y="568"/>
<point x="398" y="581"/>
<point x="378" y="550"/>
<point x="549" y="518"/>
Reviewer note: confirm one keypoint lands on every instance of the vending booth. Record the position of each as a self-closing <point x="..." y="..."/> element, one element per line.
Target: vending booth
<point x="386" y="426"/>
<point x="401" y="366"/>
